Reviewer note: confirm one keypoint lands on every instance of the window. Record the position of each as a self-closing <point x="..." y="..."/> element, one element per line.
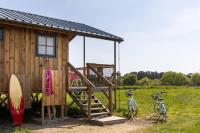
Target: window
<point x="1" y="34"/>
<point x="46" y="46"/>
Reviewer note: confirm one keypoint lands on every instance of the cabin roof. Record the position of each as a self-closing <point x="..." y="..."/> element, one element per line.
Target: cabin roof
<point x="57" y="24"/>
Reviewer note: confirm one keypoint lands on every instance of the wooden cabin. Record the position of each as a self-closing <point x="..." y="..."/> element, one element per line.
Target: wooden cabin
<point x="29" y="44"/>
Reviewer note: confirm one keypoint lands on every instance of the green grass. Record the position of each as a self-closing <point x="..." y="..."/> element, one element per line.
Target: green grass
<point x="183" y="106"/>
<point x="21" y="130"/>
<point x="16" y="130"/>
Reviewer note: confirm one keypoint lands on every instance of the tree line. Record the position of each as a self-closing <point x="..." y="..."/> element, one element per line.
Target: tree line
<point x="160" y="78"/>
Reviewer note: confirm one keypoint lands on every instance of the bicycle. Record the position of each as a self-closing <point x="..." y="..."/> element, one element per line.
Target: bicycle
<point x="132" y="105"/>
<point x="159" y="106"/>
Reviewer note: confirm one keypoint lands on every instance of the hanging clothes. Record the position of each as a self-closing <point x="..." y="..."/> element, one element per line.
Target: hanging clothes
<point x="48" y="83"/>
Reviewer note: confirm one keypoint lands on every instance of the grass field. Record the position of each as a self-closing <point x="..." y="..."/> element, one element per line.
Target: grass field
<point x="183" y="106"/>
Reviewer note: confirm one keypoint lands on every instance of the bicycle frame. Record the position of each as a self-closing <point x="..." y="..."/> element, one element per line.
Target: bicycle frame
<point x="159" y="106"/>
<point x="132" y="105"/>
<point x="162" y="108"/>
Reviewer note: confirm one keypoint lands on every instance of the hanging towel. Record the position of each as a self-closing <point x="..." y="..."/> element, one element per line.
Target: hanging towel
<point x="48" y="83"/>
<point x="73" y="76"/>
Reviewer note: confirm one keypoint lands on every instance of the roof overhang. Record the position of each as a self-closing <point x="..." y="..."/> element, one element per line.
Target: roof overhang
<point x="53" y="29"/>
<point x="34" y="21"/>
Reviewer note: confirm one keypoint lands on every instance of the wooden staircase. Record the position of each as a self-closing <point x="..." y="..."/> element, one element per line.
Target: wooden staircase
<point x="97" y="107"/>
<point x="85" y="98"/>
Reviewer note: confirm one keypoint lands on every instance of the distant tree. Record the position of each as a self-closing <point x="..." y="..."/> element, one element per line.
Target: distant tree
<point x="189" y="75"/>
<point x="182" y="79"/>
<point x="149" y="74"/>
<point x="140" y="75"/>
<point x="129" y="79"/>
<point x="195" y="79"/>
<point x="175" y="79"/>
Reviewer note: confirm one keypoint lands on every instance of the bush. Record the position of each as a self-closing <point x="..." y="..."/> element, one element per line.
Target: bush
<point x="148" y="82"/>
<point x="175" y="79"/>
<point x="144" y="82"/>
<point x="129" y="79"/>
<point x="155" y="82"/>
<point x="195" y="79"/>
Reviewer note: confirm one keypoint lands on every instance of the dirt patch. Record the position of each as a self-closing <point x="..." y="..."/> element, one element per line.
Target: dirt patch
<point x="75" y="126"/>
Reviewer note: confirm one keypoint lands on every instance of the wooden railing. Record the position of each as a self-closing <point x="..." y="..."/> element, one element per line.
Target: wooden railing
<point x="89" y="85"/>
<point x="107" y="82"/>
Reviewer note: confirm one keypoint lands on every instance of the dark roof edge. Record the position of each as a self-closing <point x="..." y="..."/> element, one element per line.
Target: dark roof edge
<point x="58" y="25"/>
<point x="21" y="24"/>
<point x="11" y="22"/>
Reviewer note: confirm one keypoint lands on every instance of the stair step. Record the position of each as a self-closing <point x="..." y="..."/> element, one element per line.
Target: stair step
<point x="87" y="99"/>
<point x="92" y="104"/>
<point x="92" y="109"/>
<point x="101" y="113"/>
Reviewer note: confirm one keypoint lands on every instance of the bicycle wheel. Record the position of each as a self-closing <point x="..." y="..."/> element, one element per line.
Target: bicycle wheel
<point x="135" y="111"/>
<point x="132" y="112"/>
<point x="157" y="109"/>
<point x="164" y="113"/>
<point x="165" y="117"/>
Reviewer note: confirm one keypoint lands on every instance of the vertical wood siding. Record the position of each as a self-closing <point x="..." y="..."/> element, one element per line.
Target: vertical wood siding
<point x="18" y="56"/>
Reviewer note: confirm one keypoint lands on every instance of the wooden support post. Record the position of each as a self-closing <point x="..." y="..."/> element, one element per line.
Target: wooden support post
<point x="115" y="72"/>
<point x="42" y="114"/>
<point x="110" y="100"/>
<point x="89" y="101"/>
<point x="89" y="97"/>
<point x="84" y="71"/>
<point x="62" y="112"/>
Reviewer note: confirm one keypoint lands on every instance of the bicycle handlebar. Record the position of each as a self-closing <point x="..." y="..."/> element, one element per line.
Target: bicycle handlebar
<point x="157" y="95"/>
<point x="160" y="93"/>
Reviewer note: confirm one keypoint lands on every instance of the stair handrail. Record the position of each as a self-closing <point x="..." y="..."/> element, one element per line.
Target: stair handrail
<point x="108" y="82"/>
<point x="81" y="75"/>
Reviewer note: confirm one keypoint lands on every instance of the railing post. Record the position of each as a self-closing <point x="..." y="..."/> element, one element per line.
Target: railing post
<point x="110" y="100"/>
<point x="89" y="101"/>
<point x="115" y="71"/>
<point x="84" y="71"/>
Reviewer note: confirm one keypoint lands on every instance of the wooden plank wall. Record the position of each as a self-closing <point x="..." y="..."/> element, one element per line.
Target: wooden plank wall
<point x="18" y="56"/>
<point x="58" y="83"/>
<point x="1" y="64"/>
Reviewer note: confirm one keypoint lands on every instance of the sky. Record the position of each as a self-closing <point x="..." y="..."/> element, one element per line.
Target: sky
<point x="159" y="35"/>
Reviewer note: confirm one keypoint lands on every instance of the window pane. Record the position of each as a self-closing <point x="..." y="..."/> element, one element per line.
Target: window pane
<point x="41" y="40"/>
<point x="50" y="50"/>
<point x="41" y="50"/>
<point x="50" y="41"/>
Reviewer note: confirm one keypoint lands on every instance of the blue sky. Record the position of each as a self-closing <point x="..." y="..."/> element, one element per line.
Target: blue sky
<point x="160" y="35"/>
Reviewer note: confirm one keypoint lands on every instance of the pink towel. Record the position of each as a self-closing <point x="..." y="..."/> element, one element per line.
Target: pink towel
<point x="73" y="76"/>
<point x="48" y="83"/>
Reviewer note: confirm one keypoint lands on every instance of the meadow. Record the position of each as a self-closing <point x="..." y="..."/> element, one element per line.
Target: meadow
<point x="183" y="105"/>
